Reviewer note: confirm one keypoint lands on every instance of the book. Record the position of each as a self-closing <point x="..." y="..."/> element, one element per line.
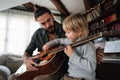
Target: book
<point x="112" y="47"/>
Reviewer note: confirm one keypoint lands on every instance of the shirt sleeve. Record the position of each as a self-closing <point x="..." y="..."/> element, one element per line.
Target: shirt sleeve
<point x="84" y="57"/>
<point x="60" y="41"/>
<point x="32" y="45"/>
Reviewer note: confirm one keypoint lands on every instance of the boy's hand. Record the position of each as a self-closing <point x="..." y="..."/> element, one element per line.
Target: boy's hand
<point x="68" y="50"/>
<point x="45" y="47"/>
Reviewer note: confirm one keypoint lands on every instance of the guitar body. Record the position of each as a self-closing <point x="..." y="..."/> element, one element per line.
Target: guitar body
<point x="58" y="62"/>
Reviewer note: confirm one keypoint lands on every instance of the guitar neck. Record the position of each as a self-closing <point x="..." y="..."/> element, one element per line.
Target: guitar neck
<point x="90" y="38"/>
<point x="76" y="43"/>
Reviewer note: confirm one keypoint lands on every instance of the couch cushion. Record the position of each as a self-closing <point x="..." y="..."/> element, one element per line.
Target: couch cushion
<point x="4" y="73"/>
<point x="13" y="63"/>
<point x="3" y="59"/>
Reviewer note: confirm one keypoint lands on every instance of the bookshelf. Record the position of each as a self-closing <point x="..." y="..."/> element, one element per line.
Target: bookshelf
<point x="102" y="16"/>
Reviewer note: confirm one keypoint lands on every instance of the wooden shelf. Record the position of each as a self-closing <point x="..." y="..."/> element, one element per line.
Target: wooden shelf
<point x="107" y="12"/>
<point x="113" y="22"/>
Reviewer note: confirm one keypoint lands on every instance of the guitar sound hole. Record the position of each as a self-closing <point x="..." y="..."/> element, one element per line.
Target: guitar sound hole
<point x="37" y="61"/>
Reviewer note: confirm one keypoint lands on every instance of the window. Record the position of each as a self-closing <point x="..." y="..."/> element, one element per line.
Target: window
<point x="16" y="29"/>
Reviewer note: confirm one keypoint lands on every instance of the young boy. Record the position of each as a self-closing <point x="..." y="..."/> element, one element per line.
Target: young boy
<point x="82" y="59"/>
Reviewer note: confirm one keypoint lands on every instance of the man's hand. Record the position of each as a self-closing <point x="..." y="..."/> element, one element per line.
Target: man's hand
<point x="99" y="55"/>
<point x="30" y="64"/>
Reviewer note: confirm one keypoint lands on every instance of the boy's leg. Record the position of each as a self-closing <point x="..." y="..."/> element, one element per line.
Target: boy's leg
<point x="46" y="77"/>
<point x="66" y="77"/>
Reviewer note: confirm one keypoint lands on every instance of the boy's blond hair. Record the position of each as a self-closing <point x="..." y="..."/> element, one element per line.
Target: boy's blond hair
<point x="77" y="23"/>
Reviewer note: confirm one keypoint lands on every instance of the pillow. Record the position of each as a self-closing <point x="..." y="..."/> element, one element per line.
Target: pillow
<point x="13" y="63"/>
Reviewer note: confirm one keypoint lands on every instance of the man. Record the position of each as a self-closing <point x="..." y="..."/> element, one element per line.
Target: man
<point x="49" y="31"/>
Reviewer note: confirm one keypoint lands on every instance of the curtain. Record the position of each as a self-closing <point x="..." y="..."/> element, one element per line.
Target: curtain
<point x="16" y="29"/>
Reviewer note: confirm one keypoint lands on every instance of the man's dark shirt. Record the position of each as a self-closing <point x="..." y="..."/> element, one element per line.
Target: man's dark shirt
<point x="40" y="37"/>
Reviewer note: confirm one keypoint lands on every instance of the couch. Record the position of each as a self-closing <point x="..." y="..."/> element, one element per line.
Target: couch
<point x="8" y="65"/>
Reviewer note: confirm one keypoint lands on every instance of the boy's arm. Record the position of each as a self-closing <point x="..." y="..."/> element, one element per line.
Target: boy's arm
<point x="87" y="61"/>
<point x="54" y="43"/>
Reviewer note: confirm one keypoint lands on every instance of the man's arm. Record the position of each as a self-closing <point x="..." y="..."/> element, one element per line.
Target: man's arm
<point x="99" y="55"/>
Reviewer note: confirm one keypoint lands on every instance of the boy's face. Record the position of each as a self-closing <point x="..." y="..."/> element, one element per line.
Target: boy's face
<point x="72" y="35"/>
<point x="47" y="22"/>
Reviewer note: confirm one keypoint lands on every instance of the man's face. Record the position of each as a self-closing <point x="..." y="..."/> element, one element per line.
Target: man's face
<point x="47" y="22"/>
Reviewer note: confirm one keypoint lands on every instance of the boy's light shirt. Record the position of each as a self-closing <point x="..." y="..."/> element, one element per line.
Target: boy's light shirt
<point x="82" y="63"/>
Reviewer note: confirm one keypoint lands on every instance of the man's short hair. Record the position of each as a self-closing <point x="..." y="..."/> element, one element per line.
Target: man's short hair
<point x="40" y="11"/>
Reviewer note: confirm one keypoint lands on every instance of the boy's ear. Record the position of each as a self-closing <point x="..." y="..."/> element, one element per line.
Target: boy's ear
<point x="79" y="34"/>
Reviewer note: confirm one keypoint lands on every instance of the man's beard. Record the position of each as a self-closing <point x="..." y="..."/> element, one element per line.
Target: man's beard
<point x="51" y="30"/>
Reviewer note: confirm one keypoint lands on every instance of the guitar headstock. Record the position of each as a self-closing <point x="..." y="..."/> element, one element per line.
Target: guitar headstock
<point x="110" y="34"/>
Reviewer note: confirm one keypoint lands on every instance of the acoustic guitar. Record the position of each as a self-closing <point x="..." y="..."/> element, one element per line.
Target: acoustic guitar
<point x="55" y="59"/>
